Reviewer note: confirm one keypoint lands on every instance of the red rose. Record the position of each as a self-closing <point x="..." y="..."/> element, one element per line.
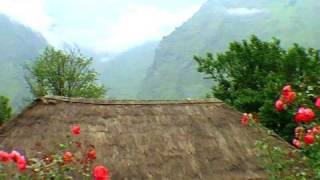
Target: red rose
<point x="21" y="163"/>
<point x="67" y="157"/>
<point x="286" y="90"/>
<point x="309" y="139"/>
<point x="310" y="115"/>
<point x="299" y="117"/>
<point x="290" y="97"/>
<point x="304" y="115"/>
<point x="245" y="119"/>
<point x="101" y="173"/>
<point x="75" y="130"/>
<point x="14" y="156"/>
<point x="92" y="154"/>
<point x="318" y="103"/>
<point x="296" y="143"/>
<point x="4" y="157"/>
<point x="279" y="105"/>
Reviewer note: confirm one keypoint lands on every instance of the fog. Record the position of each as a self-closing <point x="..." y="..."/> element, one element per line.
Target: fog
<point x="101" y="25"/>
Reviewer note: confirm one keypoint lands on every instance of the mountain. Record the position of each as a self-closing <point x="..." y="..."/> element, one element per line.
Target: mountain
<point x="124" y="73"/>
<point x="173" y="74"/>
<point x="18" y="44"/>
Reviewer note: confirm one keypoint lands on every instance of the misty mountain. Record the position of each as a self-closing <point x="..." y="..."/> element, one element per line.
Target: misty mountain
<point x="173" y="74"/>
<point x="124" y="74"/>
<point x="166" y="70"/>
<point x="18" y="44"/>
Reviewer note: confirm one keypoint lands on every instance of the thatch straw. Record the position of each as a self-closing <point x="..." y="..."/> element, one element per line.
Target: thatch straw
<point x="145" y="139"/>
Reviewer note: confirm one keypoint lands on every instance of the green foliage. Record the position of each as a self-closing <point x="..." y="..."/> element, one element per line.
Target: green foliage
<point x="282" y="161"/>
<point x="60" y="73"/>
<point x="250" y="73"/>
<point x="280" y="164"/>
<point x="5" y="109"/>
<point x="242" y="71"/>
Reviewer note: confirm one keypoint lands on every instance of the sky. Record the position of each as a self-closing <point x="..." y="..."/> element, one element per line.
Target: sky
<point x="101" y="25"/>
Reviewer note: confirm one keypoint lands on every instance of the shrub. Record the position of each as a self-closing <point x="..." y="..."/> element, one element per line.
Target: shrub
<point x="5" y="109"/>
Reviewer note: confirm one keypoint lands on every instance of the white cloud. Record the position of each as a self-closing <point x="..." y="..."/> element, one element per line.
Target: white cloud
<point x="31" y="13"/>
<point x="243" y="11"/>
<point x="141" y="23"/>
<point x="111" y="25"/>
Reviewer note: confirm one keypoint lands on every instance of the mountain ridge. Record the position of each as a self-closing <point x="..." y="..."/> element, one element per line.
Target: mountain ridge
<point x="19" y="44"/>
<point x="173" y="74"/>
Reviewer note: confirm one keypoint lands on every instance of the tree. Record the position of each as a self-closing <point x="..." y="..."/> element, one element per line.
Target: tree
<point x="5" y="109"/>
<point x="249" y="73"/>
<point x="61" y="73"/>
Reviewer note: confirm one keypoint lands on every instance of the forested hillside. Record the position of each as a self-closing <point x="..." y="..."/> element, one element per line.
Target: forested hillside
<point x="173" y="74"/>
<point x="18" y="44"/>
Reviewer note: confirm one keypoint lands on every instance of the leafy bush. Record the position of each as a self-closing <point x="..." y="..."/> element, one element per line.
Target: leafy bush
<point x="5" y="109"/>
<point x="71" y="161"/>
<point x="250" y="72"/>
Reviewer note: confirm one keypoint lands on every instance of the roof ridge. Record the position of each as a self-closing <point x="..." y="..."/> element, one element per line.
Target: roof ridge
<point x="56" y="99"/>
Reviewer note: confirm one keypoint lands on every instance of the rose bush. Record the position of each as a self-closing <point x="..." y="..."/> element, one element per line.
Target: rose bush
<point x="66" y="163"/>
<point x="250" y="73"/>
<point x="304" y="161"/>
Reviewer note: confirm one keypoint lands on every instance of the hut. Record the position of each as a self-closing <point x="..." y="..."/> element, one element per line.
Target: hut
<point x="145" y="139"/>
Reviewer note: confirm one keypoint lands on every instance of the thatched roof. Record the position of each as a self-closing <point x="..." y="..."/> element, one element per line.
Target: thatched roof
<point x="145" y="139"/>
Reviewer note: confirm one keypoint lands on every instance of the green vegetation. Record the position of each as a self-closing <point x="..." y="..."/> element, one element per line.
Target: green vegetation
<point x="5" y="109"/>
<point x="173" y="74"/>
<point x="250" y="73"/>
<point x="60" y="73"/>
<point x="283" y="162"/>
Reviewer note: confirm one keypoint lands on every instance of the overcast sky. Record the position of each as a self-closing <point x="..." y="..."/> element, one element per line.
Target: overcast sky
<point x="103" y="25"/>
